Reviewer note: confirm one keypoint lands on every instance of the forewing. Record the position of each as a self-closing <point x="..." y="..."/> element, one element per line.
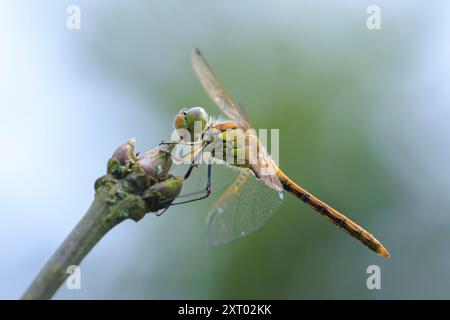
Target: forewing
<point x="215" y="90"/>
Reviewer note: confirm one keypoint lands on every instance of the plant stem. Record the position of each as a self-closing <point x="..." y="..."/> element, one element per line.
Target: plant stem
<point x="98" y="220"/>
<point x="132" y="187"/>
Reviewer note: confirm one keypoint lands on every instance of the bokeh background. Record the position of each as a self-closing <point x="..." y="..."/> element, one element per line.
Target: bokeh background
<point x="363" y="118"/>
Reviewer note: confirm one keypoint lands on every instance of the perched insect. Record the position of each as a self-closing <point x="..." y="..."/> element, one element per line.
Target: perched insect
<point x="258" y="190"/>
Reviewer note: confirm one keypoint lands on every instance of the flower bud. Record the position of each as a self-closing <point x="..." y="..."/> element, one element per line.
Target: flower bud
<point x="122" y="159"/>
<point x="156" y="162"/>
<point x="162" y="194"/>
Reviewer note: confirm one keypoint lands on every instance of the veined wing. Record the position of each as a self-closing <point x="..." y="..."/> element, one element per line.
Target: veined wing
<point x="244" y="207"/>
<point x="261" y="163"/>
<point x="215" y="90"/>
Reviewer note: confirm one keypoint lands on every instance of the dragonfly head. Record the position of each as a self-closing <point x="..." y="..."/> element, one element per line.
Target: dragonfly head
<point x="194" y="120"/>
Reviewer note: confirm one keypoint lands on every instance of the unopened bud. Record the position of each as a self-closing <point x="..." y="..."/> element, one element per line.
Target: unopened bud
<point x="162" y="194"/>
<point x="156" y="162"/>
<point x="122" y="159"/>
<point x="125" y="152"/>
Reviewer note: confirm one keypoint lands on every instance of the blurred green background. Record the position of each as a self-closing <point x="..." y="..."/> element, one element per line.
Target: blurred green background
<point x="363" y="118"/>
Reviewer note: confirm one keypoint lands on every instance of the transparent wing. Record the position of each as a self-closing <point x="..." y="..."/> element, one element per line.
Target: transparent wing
<point x="261" y="163"/>
<point x="244" y="207"/>
<point x="215" y="90"/>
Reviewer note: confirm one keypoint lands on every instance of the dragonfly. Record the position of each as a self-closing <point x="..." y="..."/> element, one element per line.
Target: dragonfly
<point x="257" y="191"/>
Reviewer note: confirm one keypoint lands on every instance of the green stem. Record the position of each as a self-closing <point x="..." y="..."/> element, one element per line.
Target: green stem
<point x="99" y="219"/>
<point x="132" y="187"/>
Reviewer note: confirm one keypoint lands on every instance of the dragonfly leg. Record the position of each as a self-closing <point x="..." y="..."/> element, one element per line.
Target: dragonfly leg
<point x="204" y="193"/>
<point x="195" y="153"/>
<point x="188" y="173"/>
<point x="162" y="212"/>
<point x="183" y="143"/>
<point x="168" y="142"/>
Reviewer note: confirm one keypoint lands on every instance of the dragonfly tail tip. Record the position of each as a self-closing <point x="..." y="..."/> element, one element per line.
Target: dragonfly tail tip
<point x="383" y="252"/>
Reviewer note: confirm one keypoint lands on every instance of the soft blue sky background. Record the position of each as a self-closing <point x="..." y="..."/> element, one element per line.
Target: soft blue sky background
<point x="366" y="112"/>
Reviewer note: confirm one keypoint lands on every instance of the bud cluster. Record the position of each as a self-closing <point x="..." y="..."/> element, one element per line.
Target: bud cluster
<point x="145" y="176"/>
